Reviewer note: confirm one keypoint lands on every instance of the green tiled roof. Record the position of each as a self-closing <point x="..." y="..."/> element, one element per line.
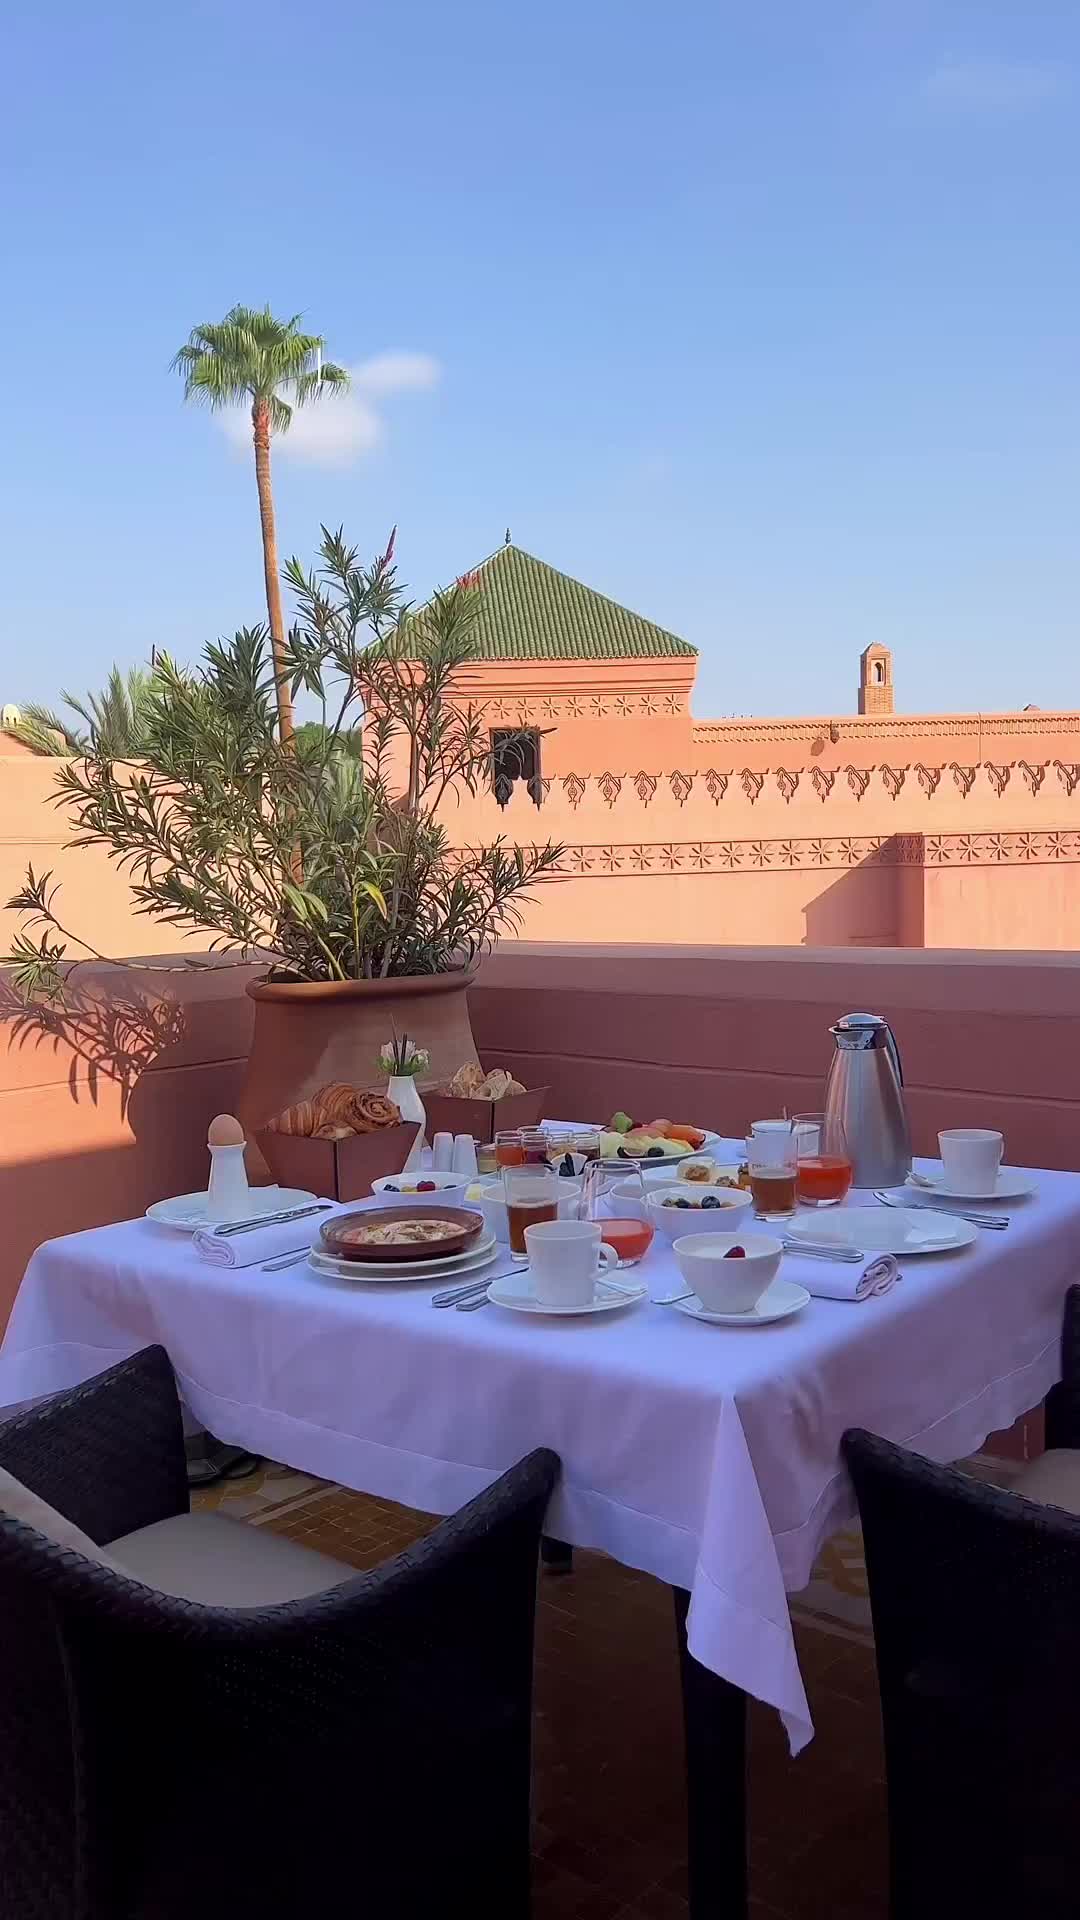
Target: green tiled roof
<point x="528" y="611"/>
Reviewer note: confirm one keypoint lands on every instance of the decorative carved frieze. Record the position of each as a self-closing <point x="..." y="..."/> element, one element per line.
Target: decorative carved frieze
<point x="716" y="785"/>
<point x="879" y="850"/>
<point x="610" y="785"/>
<point x="1033" y="775"/>
<point x="998" y="777"/>
<point x="892" y="779"/>
<point x="822" y="780"/>
<point x="964" y="777"/>
<point x="680" y="784"/>
<point x="573" y="787"/>
<point x="858" y="779"/>
<point x="929" y="778"/>
<point x="787" y="782"/>
<point x="752" y="783"/>
<point x="645" y="786"/>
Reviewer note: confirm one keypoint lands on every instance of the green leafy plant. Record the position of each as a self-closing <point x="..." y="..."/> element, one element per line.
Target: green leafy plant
<point x="116" y="721"/>
<point x="251" y="358"/>
<point x="325" y="852"/>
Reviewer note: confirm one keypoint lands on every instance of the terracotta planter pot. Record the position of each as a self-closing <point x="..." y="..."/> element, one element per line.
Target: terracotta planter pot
<point x="310" y="1033"/>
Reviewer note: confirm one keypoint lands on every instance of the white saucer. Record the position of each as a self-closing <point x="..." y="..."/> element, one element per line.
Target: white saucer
<point x="479" y="1255"/>
<point x="1012" y="1184"/>
<point x="514" y="1290"/>
<point x="781" y="1298"/>
<point x="900" y="1230"/>
<point x="188" y="1210"/>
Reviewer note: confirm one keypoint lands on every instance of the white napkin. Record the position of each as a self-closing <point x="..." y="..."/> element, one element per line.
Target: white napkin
<point x="266" y="1243"/>
<point x="842" y="1282"/>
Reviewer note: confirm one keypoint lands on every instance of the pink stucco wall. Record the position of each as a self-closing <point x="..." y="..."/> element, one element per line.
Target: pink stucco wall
<point x="110" y="1111"/>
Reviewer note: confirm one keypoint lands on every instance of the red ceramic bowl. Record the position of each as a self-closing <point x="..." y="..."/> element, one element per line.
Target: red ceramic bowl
<point x="347" y="1236"/>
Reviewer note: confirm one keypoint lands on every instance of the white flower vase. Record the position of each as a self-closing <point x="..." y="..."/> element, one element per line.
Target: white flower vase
<point x="402" y="1089"/>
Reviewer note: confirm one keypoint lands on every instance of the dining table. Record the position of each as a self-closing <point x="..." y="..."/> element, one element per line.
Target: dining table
<point x="706" y="1455"/>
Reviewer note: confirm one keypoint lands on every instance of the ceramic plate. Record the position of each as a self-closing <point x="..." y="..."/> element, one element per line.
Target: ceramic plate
<point x="1012" y="1184"/>
<point x="704" y="1152"/>
<point x="514" y="1290"/>
<point x="900" y="1230"/>
<point x="469" y="1262"/>
<point x="188" y="1210"/>
<point x="779" y="1300"/>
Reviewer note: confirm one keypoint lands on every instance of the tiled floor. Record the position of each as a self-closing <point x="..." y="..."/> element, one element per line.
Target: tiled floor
<point x="610" y="1838"/>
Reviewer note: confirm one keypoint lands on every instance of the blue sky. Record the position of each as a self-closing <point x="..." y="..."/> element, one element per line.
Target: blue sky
<point x="762" y="320"/>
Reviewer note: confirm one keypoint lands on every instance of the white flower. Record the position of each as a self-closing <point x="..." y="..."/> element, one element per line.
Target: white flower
<point x="402" y="1057"/>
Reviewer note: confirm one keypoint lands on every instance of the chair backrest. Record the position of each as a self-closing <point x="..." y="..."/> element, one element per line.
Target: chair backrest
<point x="975" y="1594"/>
<point x="176" y="1729"/>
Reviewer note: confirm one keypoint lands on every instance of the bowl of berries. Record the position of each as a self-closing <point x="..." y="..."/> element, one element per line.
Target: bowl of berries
<point x="674" y="1209"/>
<point x="423" y="1188"/>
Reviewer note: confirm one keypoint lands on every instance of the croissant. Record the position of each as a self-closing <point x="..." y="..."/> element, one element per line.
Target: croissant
<point x="370" y="1111"/>
<point x="333" y="1104"/>
<point x="299" y="1119"/>
<point x="332" y="1132"/>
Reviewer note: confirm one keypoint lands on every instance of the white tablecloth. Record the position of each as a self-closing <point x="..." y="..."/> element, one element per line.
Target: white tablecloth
<point x="706" y="1456"/>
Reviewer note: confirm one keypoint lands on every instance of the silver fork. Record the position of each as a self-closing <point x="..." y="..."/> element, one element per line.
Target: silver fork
<point x="994" y="1222"/>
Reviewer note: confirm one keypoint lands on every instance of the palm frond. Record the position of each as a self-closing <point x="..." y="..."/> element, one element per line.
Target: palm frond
<point x="251" y="355"/>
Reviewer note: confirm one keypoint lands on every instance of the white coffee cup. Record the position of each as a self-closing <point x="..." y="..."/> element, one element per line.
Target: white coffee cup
<point x="565" y="1257"/>
<point x="970" y="1158"/>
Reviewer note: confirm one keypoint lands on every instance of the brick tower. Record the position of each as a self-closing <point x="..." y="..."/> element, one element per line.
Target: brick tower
<point x="875" y="680"/>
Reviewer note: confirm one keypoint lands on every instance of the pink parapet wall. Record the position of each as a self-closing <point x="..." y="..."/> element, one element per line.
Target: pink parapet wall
<point x="109" y="1111"/>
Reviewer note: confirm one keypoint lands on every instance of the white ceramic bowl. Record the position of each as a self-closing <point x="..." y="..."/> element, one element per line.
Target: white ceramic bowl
<point x="394" y="1189"/>
<point x="493" y="1206"/>
<point x="722" y="1285"/>
<point x="676" y="1222"/>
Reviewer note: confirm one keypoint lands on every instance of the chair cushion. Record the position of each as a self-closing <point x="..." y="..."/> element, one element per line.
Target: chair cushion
<point x="224" y="1563"/>
<point x="1053" y="1479"/>
<point x="23" y="1504"/>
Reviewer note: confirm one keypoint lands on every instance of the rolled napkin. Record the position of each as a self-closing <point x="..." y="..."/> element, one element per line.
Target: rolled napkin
<point x="258" y="1244"/>
<point x="850" y="1283"/>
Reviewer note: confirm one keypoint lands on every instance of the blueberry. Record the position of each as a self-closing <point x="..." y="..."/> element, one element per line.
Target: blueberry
<point x="390" y="1188"/>
<point x="710" y="1200"/>
<point x="655" y="1153"/>
<point x="567" y="1166"/>
<point x="683" y="1203"/>
<point x="622" y="1154"/>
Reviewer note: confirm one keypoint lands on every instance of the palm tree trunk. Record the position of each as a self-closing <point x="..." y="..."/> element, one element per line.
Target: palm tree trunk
<point x="260" y="421"/>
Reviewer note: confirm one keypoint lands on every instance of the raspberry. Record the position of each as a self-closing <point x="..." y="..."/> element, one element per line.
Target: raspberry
<point x="735" y="1253"/>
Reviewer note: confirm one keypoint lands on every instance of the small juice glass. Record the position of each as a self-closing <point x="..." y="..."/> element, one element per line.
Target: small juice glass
<point x="823" y="1169"/>
<point x="509" y="1151"/>
<point x="771" y="1155"/>
<point x="532" y="1195"/>
<point x="622" y="1217"/>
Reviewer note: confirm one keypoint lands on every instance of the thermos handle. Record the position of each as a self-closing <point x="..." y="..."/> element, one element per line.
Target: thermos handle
<point x="894" y="1054"/>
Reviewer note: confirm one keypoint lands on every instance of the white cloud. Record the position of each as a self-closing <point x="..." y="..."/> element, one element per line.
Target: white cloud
<point x="988" y="86"/>
<point x="342" y="427"/>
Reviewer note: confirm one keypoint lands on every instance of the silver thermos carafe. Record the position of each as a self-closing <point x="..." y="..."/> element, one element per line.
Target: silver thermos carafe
<point x="864" y="1091"/>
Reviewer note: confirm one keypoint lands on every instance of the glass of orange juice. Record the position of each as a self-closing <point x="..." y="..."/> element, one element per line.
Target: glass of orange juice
<point x="613" y="1195"/>
<point x="823" y="1163"/>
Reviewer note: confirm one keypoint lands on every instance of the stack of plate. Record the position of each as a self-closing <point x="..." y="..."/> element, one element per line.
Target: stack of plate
<point x="475" y="1258"/>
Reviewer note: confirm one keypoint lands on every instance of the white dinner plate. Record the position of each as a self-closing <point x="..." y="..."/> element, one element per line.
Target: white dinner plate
<point x="666" y="1160"/>
<point x="188" y="1210"/>
<point x="900" y="1230"/>
<point x="1012" y="1184"/>
<point x="780" y="1298"/>
<point x="514" y="1290"/>
<point x="474" y="1257"/>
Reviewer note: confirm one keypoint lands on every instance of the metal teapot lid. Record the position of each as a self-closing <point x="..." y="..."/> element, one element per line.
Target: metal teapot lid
<point x="859" y="1030"/>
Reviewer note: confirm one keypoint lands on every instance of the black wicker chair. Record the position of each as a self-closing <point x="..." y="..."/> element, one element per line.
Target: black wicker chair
<point x="363" y="1751"/>
<point x="975" y="1595"/>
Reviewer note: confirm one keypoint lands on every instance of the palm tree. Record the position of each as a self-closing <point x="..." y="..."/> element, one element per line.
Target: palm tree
<point x="117" y="719"/>
<point x="252" y="357"/>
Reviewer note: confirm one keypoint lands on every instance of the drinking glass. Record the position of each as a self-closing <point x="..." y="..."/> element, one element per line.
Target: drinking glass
<point x="509" y="1151"/>
<point x="771" y="1161"/>
<point x="532" y="1195"/>
<point x="536" y="1145"/>
<point x="622" y="1217"/>
<point x="823" y="1167"/>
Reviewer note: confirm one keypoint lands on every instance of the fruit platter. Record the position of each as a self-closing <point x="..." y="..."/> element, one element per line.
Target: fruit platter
<point x="659" y="1142"/>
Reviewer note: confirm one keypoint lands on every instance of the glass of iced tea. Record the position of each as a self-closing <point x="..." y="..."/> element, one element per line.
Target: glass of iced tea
<point x="532" y="1195"/>
<point x="823" y="1165"/>
<point x="509" y="1151"/>
<point x="536" y="1146"/>
<point x="613" y="1195"/>
<point x="771" y="1161"/>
